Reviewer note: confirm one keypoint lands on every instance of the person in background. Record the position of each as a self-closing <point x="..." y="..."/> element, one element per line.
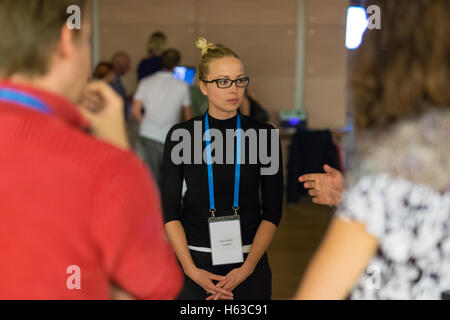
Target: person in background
<point x="121" y="62"/>
<point x="80" y="214"/>
<point x="199" y="102"/>
<point x="253" y="109"/>
<point x="167" y="102"/>
<point x="153" y="63"/>
<point x="104" y="71"/>
<point x="390" y="237"/>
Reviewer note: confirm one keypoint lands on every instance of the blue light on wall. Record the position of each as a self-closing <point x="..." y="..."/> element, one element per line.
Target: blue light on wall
<point x="356" y="26"/>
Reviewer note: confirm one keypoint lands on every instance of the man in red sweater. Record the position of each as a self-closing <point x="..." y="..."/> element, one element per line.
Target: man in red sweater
<point x="80" y="214"/>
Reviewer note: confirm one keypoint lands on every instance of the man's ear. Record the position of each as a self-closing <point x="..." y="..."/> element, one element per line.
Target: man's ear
<point x="65" y="43"/>
<point x="202" y="86"/>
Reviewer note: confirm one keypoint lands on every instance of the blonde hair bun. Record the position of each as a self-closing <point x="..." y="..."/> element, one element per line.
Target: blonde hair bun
<point x="204" y="45"/>
<point x="210" y="52"/>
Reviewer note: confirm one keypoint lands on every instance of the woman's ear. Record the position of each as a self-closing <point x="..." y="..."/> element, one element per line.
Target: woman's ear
<point x="202" y="86"/>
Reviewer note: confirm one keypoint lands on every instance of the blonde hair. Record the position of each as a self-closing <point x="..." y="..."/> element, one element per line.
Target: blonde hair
<point x="157" y="41"/>
<point x="210" y="52"/>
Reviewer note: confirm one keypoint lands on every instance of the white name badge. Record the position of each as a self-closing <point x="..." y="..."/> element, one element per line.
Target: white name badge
<point x="226" y="241"/>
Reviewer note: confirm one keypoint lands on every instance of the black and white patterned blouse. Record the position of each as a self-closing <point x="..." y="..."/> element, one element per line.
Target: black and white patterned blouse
<point x="400" y="191"/>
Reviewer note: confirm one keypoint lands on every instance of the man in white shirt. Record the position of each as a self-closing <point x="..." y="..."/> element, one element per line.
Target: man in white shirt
<point x="167" y="101"/>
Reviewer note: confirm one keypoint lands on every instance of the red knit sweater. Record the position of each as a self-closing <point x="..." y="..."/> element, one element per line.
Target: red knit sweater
<point x="68" y="199"/>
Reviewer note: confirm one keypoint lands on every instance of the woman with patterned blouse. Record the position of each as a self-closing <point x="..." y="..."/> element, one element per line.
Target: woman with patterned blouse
<point x="390" y="238"/>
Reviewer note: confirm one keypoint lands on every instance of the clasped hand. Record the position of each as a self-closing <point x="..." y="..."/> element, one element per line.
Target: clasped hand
<point x="225" y="284"/>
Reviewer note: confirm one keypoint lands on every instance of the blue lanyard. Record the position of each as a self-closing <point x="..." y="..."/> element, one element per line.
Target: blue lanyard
<point x="237" y="170"/>
<point x="23" y="99"/>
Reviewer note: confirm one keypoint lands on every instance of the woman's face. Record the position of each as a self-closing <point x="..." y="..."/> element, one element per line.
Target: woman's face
<point x="228" y="99"/>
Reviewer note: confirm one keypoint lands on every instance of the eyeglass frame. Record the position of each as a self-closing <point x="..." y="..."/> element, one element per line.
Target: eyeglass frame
<point x="232" y="81"/>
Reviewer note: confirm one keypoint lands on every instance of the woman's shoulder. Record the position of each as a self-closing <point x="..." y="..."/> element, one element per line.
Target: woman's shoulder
<point x="251" y="123"/>
<point x="188" y="124"/>
<point x="415" y="149"/>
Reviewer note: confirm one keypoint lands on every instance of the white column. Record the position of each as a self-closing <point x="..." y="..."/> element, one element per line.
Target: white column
<point x="300" y="60"/>
<point x="95" y="33"/>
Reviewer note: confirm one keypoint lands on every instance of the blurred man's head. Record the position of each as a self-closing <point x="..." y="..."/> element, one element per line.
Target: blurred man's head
<point x="37" y="45"/>
<point x="121" y="62"/>
<point x="156" y="43"/>
<point x="170" y="59"/>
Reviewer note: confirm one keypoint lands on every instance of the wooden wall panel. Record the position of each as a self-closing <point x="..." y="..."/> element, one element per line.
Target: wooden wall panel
<point x="248" y="12"/>
<point x="262" y="32"/>
<point x="325" y="97"/>
<point x="327" y="12"/>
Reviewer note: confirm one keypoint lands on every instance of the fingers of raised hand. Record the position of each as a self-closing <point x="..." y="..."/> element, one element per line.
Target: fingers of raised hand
<point x="310" y="185"/>
<point x="322" y="200"/>
<point x="330" y="170"/>
<point x="308" y="177"/>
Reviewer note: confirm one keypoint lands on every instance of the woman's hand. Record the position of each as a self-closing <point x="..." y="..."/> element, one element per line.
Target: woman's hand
<point x="234" y="278"/>
<point x="205" y="280"/>
<point x="325" y="188"/>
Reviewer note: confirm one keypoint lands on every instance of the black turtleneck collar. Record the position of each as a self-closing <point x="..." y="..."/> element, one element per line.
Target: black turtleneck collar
<point x="222" y="123"/>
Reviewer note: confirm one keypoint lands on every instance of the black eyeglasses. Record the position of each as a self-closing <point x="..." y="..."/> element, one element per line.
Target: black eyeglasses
<point x="223" y="83"/>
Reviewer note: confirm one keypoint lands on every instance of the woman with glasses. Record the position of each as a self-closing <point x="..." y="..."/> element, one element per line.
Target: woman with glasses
<point x="231" y="164"/>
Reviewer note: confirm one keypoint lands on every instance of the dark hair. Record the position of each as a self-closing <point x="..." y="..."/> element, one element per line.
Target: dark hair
<point x="29" y="31"/>
<point x="170" y="59"/>
<point x="404" y="68"/>
<point x="102" y="69"/>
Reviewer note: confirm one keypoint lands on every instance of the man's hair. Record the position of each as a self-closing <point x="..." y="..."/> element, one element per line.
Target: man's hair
<point x="403" y="69"/>
<point x="29" y="32"/>
<point x="170" y="59"/>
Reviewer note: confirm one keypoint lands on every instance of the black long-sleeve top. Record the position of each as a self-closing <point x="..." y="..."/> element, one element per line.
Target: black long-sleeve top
<point x="260" y="196"/>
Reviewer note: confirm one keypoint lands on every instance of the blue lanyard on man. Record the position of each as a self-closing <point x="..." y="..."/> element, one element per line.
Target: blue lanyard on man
<point x="23" y="100"/>
<point x="237" y="172"/>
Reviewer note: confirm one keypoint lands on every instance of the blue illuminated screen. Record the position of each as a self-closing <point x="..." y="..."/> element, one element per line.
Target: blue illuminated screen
<point x="186" y="74"/>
